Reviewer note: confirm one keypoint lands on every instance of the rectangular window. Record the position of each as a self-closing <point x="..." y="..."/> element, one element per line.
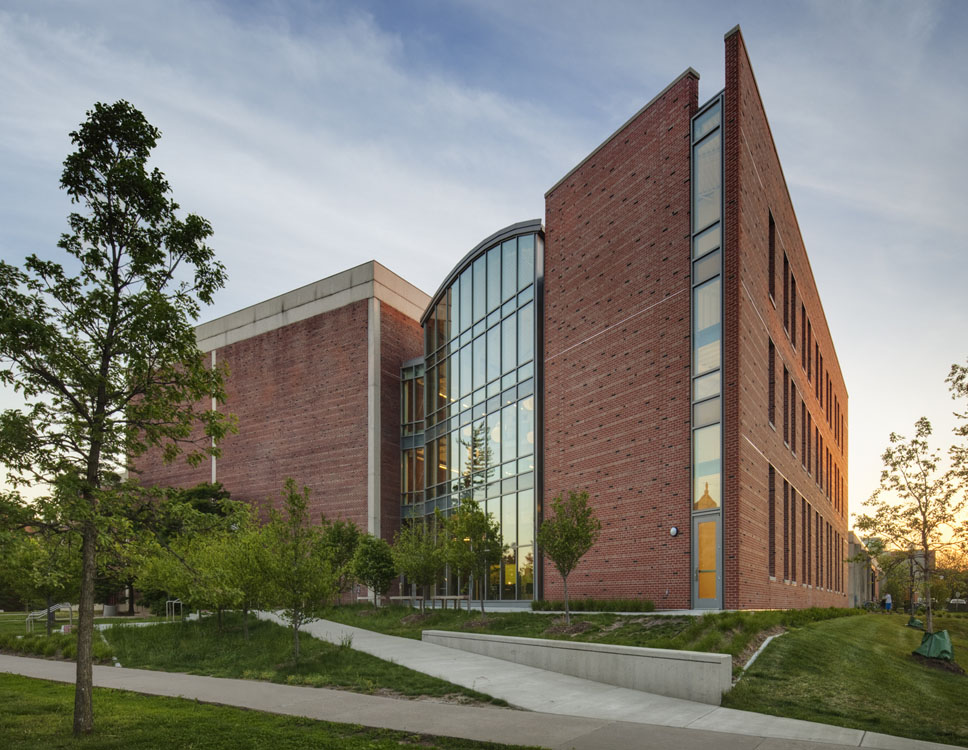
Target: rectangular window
<point x="809" y="348"/>
<point x="771" y="385"/>
<point x="786" y="292"/>
<point x="786" y="407"/>
<point x="771" y="520"/>
<point x="809" y="544"/>
<point x="793" y="534"/>
<point x="803" y="337"/>
<point x="706" y="333"/>
<point x="708" y="191"/>
<point x="786" y="526"/>
<point x="819" y="566"/>
<point x="771" y="259"/>
<point x="793" y="311"/>
<point x="707" y="466"/>
<point x="804" y="543"/>
<point x="803" y="434"/>
<point x="809" y="432"/>
<point x="793" y="417"/>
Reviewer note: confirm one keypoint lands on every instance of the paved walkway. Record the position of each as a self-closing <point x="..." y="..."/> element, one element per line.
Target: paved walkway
<point x="565" y="712"/>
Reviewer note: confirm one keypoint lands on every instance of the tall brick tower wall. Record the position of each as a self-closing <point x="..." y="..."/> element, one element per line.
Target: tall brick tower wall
<point x="617" y="352"/>
<point x="789" y="313"/>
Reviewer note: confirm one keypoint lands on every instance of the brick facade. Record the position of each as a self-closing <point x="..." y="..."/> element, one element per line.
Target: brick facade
<point x="617" y="352"/>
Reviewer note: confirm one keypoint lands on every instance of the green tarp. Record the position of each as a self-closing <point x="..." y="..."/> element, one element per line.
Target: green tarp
<point x="936" y="646"/>
<point x="914" y="622"/>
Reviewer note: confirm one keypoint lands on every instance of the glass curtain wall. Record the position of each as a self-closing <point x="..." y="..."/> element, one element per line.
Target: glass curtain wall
<point x="412" y="451"/>
<point x="707" y="335"/>
<point x="480" y="424"/>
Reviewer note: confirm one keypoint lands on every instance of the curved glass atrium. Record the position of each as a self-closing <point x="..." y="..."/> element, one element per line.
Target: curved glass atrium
<point x="479" y="420"/>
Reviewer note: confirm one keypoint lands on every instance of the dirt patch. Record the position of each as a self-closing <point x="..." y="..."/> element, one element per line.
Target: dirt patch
<point x="415" y="618"/>
<point x="939" y="664"/>
<point x="561" y="627"/>
<point x="648" y="623"/>
<point x="746" y="654"/>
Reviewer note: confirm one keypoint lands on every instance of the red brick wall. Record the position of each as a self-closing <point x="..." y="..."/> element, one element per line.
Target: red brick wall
<point x="401" y="338"/>
<point x="755" y="186"/>
<point x="616" y="421"/>
<point x="299" y="393"/>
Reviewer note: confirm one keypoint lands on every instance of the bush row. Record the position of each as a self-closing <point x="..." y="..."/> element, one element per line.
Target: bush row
<point x="56" y="645"/>
<point x="595" y="605"/>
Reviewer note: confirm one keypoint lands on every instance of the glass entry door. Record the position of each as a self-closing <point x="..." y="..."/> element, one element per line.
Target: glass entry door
<point x="707" y="575"/>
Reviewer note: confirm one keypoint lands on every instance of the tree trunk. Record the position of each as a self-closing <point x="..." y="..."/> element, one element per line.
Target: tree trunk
<point x="130" y="598"/>
<point x="564" y="580"/>
<point x="929" y="620"/>
<point x="295" y="641"/>
<point x="83" y="706"/>
<point x="218" y="619"/>
<point x="50" y="616"/>
<point x="245" y="623"/>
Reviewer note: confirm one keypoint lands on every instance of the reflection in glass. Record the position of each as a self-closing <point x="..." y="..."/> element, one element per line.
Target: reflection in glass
<point x="466" y="318"/>
<point x="708" y="240"/>
<point x="509" y="282"/>
<point x="707" y="193"/>
<point x="705" y="269"/>
<point x="480" y="288"/>
<point x="509" y="423"/>
<point x="706" y="122"/>
<point x="525" y="260"/>
<point x="480" y="362"/>
<point x="494" y="353"/>
<point x="706" y="463"/>
<point x="526" y="426"/>
<point x="706" y="386"/>
<point x="509" y="358"/>
<point x="707" y="314"/>
<point x="525" y="517"/>
<point x="493" y="278"/>
<point x="526" y="333"/>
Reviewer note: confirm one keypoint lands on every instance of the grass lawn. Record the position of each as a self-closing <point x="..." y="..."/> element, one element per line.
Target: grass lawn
<point x="197" y="648"/>
<point x="37" y="714"/>
<point x="726" y="633"/>
<point x="858" y="672"/>
<point x="13" y="622"/>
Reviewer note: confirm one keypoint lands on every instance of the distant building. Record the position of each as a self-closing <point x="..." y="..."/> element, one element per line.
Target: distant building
<point x="863" y="574"/>
<point x="657" y="340"/>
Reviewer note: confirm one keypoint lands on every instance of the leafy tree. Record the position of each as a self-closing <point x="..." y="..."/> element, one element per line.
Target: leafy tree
<point x="341" y="538"/>
<point x="473" y="544"/>
<point x="44" y="567"/>
<point x="419" y="554"/>
<point x="299" y="571"/>
<point x="373" y="565"/>
<point x="917" y="504"/>
<point x="568" y="535"/>
<point x="103" y="350"/>
<point x="248" y="559"/>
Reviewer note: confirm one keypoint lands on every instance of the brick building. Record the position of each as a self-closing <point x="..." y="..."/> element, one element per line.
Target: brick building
<point x="657" y="341"/>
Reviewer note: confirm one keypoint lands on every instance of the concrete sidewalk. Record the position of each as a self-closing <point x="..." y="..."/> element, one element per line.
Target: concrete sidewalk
<point x="546" y="692"/>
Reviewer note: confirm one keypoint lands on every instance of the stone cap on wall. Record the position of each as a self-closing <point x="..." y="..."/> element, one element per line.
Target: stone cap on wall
<point x="362" y="282"/>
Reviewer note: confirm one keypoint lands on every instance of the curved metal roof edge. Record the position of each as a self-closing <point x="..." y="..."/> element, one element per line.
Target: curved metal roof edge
<point x="512" y="230"/>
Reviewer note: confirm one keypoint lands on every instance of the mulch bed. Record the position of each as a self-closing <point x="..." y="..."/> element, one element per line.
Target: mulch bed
<point x="939" y="664"/>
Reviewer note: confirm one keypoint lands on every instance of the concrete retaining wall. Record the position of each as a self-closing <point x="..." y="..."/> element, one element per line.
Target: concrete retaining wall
<point x="691" y="675"/>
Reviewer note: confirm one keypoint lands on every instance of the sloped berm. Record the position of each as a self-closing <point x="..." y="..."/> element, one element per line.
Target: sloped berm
<point x="692" y="675"/>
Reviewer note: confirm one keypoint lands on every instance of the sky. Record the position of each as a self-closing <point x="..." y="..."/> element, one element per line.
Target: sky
<point x="316" y="136"/>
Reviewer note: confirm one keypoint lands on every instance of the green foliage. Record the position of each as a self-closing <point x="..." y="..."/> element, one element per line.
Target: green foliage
<point x="418" y="553"/>
<point x="595" y="605"/>
<point x="858" y="672"/>
<point x="566" y="536"/>
<point x="373" y="564"/>
<point x="472" y="543"/>
<point x="916" y="508"/>
<point x="299" y="576"/>
<point x="341" y="538"/>
<point x="43" y="567"/>
<point x="198" y="647"/>
<point x="54" y="646"/>
<point x="102" y="350"/>
<point x="36" y="714"/>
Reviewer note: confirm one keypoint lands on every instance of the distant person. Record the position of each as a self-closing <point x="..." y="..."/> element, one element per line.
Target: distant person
<point x="887" y="603"/>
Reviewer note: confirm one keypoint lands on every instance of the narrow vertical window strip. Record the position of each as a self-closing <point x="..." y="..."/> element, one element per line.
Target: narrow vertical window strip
<point x="786" y="524"/>
<point x="771" y="521"/>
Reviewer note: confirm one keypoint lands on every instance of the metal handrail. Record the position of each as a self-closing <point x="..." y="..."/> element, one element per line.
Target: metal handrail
<point x="45" y="613"/>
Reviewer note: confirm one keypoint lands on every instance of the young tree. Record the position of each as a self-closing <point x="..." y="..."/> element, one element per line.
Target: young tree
<point x="418" y="554"/>
<point x="373" y="565"/>
<point x="341" y="539"/>
<point x="299" y="571"/>
<point x="103" y="350"/>
<point x="473" y="544"/>
<point x="568" y="535"/>
<point x="44" y="567"/>
<point x="917" y="505"/>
